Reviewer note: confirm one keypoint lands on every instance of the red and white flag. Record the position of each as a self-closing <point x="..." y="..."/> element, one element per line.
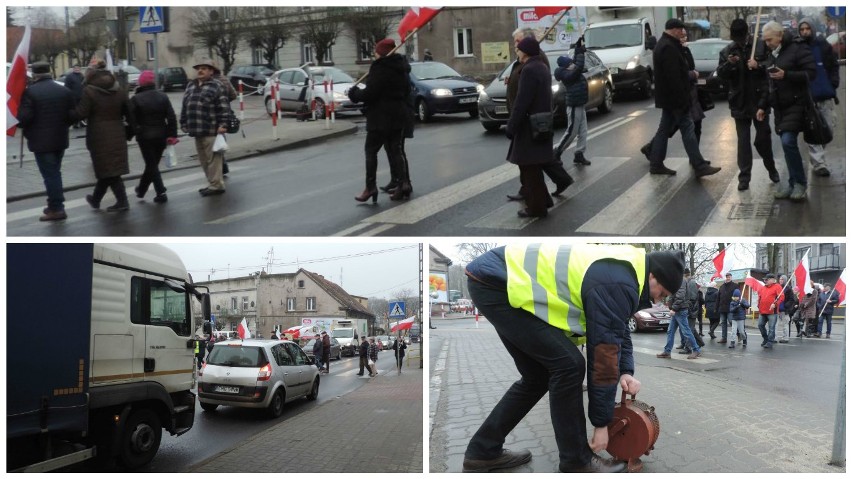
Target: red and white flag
<point x="415" y="18"/>
<point x="404" y="324"/>
<point x="803" y="275"/>
<point x="545" y="11"/>
<point x="16" y="82"/>
<point x="243" y="330"/>
<point x="840" y="287"/>
<point x="754" y="283"/>
<point x="723" y="263"/>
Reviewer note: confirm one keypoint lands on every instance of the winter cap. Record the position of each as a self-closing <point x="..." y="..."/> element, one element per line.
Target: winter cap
<point x="770" y="276"/>
<point x="728" y="274"/>
<point x="564" y="61"/>
<point x="384" y="47"/>
<point x="41" y="67"/>
<point x="667" y="267"/>
<point x="674" y="23"/>
<point x="739" y="29"/>
<point x="324" y="332"/>
<point x="529" y="46"/>
<point x="736" y="293"/>
<point x="147" y="78"/>
<point x="206" y="62"/>
<point x="711" y="284"/>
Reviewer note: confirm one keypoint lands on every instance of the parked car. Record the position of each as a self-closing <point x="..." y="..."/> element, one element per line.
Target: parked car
<point x="387" y="342"/>
<point x="437" y="88"/>
<point x="837" y="41"/>
<point x="294" y="84"/>
<point x="705" y="52"/>
<point x="172" y="78"/>
<point x="132" y="74"/>
<point x="308" y="348"/>
<point x="657" y="317"/>
<point x="253" y="76"/>
<point x="256" y="373"/>
<point x="494" y="113"/>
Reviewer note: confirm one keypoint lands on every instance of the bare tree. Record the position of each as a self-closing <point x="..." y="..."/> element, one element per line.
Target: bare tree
<point x="269" y="33"/>
<point x="470" y="251"/>
<point x="320" y="28"/>
<point x="220" y="30"/>
<point x="371" y="24"/>
<point x="85" y="40"/>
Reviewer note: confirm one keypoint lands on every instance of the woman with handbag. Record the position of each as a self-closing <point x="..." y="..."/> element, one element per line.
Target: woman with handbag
<point x="530" y="128"/>
<point x="156" y="126"/>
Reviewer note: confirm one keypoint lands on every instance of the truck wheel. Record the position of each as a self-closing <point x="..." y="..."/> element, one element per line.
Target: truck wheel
<point x="140" y="439"/>
<point x="208" y="406"/>
<point x="312" y="396"/>
<point x="276" y="406"/>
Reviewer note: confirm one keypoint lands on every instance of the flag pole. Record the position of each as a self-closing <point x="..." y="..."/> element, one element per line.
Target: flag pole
<point x="755" y="35"/>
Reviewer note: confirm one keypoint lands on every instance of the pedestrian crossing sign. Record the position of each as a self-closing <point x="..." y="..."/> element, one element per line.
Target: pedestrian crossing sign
<point x="396" y="309"/>
<point x="151" y="20"/>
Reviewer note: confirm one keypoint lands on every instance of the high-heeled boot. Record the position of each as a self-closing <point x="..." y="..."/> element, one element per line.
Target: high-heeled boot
<point x="367" y="193"/>
<point x="402" y="192"/>
<point x="120" y="195"/>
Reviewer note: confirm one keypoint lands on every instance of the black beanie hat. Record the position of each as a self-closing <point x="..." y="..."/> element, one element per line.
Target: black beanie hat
<point x="529" y="46"/>
<point x="667" y="267"/>
<point x="739" y="29"/>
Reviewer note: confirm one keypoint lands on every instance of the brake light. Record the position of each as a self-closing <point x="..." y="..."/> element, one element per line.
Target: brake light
<point x="265" y="373"/>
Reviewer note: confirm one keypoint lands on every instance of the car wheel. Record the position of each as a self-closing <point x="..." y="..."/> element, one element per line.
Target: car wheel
<point x="490" y="126"/>
<point x="276" y="406"/>
<point x="208" y="406"/>
<point x="270" y="105"/>
<point x="423" y="111"/>
<point x="140" y="439"/>
<point x="631" y="325"/>
<point x="606" y="105"/>
<point x="312" y="396"/>
<point x="319" y="107"/>
<point x="647" y="90"/>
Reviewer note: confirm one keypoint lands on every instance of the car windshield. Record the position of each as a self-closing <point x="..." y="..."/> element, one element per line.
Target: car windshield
<point x="310" y="345"/>
<point x="615" y="36"/>
<point x="236" y="355"/>
<point x="706" y="51"/>
<point x="433" y="71"/>
<point x="337" y="76"/>
<point x="343" y="333"/>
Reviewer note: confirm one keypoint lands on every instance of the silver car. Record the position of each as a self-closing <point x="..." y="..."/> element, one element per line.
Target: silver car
<point x="257" y="373"/>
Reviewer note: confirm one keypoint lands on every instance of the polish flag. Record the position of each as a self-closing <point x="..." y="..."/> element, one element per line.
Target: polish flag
<point x="16" y="82"/>
<point x="294" y="332"/>
<point x="545" y="11"/>
<point x="404" y="324"/>
<point x="840" y="287"/>
<point x="803" y="275"/>
<point x="723" y="263"/>
<point x="415" y="18"/>
<point x="754" y="283"/>
<point x="243" y="330"/>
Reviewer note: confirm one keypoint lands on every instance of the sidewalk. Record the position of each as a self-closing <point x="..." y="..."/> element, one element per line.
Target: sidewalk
<point x="377" y="428"/>
<point x="254" y="138"/>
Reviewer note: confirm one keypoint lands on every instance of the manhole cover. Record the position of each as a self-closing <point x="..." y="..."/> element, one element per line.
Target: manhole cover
<point x="748" y="211"/>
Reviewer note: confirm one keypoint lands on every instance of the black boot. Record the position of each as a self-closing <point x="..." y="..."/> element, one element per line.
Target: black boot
<point x="121" y="196"/>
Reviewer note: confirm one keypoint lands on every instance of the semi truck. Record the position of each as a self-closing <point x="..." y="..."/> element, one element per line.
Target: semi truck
<point x="100" y="353"/>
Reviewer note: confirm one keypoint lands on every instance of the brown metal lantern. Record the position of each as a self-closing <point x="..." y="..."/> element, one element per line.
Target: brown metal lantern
<point x="633" y="431"/>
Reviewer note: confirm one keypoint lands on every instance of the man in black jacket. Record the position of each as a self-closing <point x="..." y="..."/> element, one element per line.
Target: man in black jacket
<point x="364" y="355"/>
<point x="748" y="85"/>
<point x="74" y="82"/>
<point x="672" y="95"/>
<point x="45" y="115"/>
<point x="710" y="303"/>
<point x="723" y="305"/>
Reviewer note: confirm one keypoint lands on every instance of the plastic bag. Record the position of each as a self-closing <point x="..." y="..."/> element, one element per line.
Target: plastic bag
<point x="370" y="362"/>
<point x="220" y="144"/>
<point x="170" y="156"/>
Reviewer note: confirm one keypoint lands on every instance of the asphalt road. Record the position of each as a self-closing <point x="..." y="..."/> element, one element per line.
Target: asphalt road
<point x="460" y="182"/>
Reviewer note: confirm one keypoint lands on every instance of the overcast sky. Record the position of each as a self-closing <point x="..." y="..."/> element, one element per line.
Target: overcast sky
<point x="391" y="267"/>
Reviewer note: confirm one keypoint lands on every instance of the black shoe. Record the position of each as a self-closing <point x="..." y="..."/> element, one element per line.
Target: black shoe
<point x="679" y="347"/>
<point x="579" y="159"/>
<point x="51" y="215"/>
<point x="597" y="464"/>
<point x="389" y="187"/>
<point x="774" y="177"/>
<point x="564" y="186"/>
<point x="209" y="192"/>
<point x="822" y="171"/>
<point x="743" y="185"/>
<point x="506" y="460"/>
<point x="515" y="197"/>
<point x="526" y="214"/>
<point x="92" y="202"/>
<point x="646" y="150"/>
<point x="712" y="336"/>
<point x="161" y="198"/>
<point x="118" y="207"/>
<point x="662" y="170"/>
<point x="684" y="351"/>
<point x="139" y="193"/>
<point x="706" y="170"/>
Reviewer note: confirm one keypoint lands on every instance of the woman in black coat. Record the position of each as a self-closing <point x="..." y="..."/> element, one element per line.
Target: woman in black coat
<point x="156" y="125"/>
<point x="399" y="348"/>
<point x="534" y="96"/>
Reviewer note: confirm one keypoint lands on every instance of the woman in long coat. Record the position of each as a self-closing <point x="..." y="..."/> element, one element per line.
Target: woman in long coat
<point x="534" y="96"/>
<point x="106" y="107"/>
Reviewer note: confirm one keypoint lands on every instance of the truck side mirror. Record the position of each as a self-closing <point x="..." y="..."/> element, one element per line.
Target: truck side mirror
<point x="650" y="43"/>
<point x="205" y="310"/>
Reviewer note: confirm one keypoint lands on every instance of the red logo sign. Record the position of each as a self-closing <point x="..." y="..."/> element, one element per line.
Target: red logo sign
<point x="529" y="16"/>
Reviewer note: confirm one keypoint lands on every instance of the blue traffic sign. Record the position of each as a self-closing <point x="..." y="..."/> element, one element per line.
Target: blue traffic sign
<point x="396" y="309"/>
<point x="835" y="12"/>
<point x="151" y="20"/>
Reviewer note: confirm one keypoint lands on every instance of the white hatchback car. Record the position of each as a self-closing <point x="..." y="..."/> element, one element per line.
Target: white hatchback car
<point x="256" y="373"/>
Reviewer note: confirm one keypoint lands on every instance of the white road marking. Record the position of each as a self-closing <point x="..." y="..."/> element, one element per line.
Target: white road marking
<point x="760" y="193"/>
<point x="680" y="357"/>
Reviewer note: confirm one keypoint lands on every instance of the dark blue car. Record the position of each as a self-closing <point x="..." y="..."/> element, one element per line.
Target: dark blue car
<point x="440" y="89"/>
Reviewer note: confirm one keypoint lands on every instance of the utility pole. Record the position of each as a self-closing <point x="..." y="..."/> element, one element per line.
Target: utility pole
<point x="422" y="333"/>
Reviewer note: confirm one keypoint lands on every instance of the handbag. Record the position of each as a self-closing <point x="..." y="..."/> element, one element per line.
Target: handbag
<point x="817" y="130"/>
<point x="233" y="123"/>
<point x="542" y="126"/>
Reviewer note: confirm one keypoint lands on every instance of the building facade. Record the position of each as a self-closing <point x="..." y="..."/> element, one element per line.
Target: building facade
<point x="826" y="260"/>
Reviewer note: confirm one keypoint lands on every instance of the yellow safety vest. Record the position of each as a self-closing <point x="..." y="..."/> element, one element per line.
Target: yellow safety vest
<point x="546" y="280"/>
<point x="197" y="343"/>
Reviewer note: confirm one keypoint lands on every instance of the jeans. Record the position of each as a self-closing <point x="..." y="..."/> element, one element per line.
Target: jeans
<point x="817" y="152"/>
<point x="548" y="363"/>
<point x="738" y="326"/>
<point x="50" y="165"/>
<point x="762" y="142"/>
<point x="577" y="128"/>
<point x="725" y="319"/>
<point x="795" y="164"/>
<point x="680" y="321"/>
<point x="668" y="121"/>
<point x="768" y="336"/>
<point x="827" y="318"/>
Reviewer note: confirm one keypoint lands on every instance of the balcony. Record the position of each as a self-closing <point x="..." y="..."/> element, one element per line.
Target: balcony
<point x="828" y="262"/>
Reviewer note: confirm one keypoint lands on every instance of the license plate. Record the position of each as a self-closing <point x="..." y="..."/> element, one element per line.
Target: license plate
<point x="501" y="110"/>
<point x="702" y="81"/>
<point x="471" y="99"/>
<point x="664" y="321"/>
<point x="227" y="389"/>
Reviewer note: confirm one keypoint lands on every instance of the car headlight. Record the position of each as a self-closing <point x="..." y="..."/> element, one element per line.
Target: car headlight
<point x="442" y="92"/>
<point x="340" y="96"/>
<point x="555" y="88"/>
<point x="479" y="87"/>
<point x="483" y="96"/>
<point x="644" y="315"/>
<point x="632" y="63"/>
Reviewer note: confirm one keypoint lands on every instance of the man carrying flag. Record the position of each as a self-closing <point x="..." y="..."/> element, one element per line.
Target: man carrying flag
<point x="769" y="296"/>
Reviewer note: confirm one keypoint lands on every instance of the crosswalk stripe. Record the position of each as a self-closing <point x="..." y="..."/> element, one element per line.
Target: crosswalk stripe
<point x="723" y="222"/>
<point x="635" y="208"/>
<point x="679" y="357"/>
<point x="505" y="217"/>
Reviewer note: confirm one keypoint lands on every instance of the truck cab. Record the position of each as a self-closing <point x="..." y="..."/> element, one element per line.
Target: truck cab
<point x="346" y="338"/>
<point x="626" y="47"/>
